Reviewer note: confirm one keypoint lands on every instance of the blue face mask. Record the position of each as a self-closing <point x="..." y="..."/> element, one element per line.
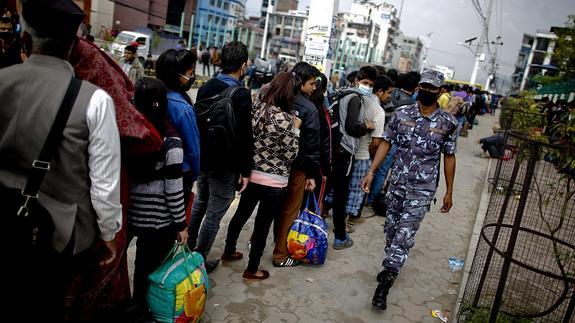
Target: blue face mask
<point x="364" y="89"/>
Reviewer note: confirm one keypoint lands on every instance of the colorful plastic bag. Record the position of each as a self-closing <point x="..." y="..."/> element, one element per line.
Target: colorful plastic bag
<point x="307" y="239"/>
<point x="179" y="288"/>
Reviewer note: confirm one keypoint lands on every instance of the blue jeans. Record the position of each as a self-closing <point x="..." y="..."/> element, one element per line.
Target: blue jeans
<point x="460" y="122"/>
<point x="216" y="191"/>
<point x="380" y="175"/>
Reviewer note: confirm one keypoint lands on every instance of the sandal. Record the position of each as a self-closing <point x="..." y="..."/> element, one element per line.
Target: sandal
<point x="232" y="257"/>
<point x="287" y="263"/>
<point x="253" y="276"/>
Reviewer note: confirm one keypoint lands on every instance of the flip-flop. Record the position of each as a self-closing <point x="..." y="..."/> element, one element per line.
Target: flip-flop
<point x="287" y="263"/>
<point x="233" y="257"/>
<point x="252" y="276"/>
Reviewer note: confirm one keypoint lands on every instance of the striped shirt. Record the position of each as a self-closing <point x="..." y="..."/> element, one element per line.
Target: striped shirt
<point x="157" y="197"/>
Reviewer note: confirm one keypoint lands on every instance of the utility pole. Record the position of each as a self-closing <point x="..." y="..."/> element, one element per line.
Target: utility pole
<point x="424" y="56"/>
<point x="493" y="69"/>
<point x="266" y="26"/>
<point x="479" y="51"/>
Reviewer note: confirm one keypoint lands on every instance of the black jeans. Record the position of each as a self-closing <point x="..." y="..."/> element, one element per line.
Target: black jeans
<point x="342" y="163"/>
<point x="151" y="250"/>
<point x="271" y="203"/>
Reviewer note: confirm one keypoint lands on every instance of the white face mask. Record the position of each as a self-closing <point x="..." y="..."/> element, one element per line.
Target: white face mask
<point x="365" y="89"/>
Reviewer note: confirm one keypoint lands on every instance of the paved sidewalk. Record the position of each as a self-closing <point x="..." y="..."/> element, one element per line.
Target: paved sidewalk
<point x="341" y="289"/>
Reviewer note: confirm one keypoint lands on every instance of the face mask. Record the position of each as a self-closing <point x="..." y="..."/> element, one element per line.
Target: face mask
<point x="427" y="98"/>
<point x="7" y="36"/>
<point x="190" y="81"/>
<point x="364" y="89"/>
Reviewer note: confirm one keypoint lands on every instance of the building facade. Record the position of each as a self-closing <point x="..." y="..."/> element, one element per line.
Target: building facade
<point x="534" y="58"/>
<point x="384" y="25"/>
<point x="286" y="35"/>
<point x="158" y="15"/>
<point x="406" y="53"/>
<point x="217" y="21"/>
<point x="354" y="32"/>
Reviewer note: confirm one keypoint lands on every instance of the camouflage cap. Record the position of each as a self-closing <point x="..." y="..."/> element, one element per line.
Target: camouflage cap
<point x="432" y="77"/>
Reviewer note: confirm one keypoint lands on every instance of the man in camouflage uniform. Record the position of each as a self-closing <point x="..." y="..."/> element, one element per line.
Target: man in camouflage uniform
<point x="422" y="132"/>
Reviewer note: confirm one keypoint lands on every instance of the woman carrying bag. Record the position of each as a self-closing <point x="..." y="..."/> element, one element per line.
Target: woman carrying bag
<point x="276" y="136"/>
<point x="156" y="207"/>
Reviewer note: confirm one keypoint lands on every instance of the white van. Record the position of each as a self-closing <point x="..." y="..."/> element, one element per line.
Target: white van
<point x="125" y="38"/>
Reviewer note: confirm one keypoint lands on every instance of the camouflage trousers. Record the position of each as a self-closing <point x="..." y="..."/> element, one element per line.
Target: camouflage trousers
<point x="402" y="222"/>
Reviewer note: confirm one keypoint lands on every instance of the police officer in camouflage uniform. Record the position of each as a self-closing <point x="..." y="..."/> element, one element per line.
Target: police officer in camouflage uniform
<point x="422" y="132"/>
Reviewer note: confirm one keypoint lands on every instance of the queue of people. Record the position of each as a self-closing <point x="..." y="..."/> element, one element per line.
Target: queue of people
<point x="135" y="147"/>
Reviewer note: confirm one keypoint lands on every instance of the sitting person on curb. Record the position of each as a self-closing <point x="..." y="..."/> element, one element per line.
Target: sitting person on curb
<point x="493" y="146"/>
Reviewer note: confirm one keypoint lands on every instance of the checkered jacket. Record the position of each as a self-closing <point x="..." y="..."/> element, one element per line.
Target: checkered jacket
<point x="276" y="140"/>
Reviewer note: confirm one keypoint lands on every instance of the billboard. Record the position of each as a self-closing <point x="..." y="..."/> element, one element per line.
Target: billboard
<point x="319" y="37"/>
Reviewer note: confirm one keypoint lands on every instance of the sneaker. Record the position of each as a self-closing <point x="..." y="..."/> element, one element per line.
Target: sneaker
<point x="342" y="244"/>
<point x="212" y="265"/>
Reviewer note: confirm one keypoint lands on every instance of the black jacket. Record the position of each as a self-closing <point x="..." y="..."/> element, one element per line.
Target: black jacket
<point x="242" y="161"/>
<point x="309" y="141"/>
<point x="325" y="141"/>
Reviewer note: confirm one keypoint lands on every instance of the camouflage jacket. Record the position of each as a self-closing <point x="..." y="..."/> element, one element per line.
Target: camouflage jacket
<point x="420" y="141"/>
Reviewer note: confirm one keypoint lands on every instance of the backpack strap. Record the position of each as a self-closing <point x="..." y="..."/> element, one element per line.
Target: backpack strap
<point x="230" y="91"/>
<point x="41" y="165"/>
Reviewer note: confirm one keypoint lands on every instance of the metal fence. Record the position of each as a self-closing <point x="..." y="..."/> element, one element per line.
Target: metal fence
<point x="524" y="265"/>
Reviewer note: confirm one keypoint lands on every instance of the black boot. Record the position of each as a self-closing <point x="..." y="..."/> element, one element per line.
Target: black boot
<point x="385" y="279"/>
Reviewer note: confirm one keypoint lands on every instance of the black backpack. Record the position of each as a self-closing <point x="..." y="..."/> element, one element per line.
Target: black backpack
<point x="206" y="57"/>
<point x="336" y="134"/>
<point x="217" y="123"/>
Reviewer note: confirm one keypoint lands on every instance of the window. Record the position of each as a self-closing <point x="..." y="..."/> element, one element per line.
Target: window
<point x="542" y="44"/>
<point x="278" y="31"/>
<point x="212" y="2"/>
<point x="174" y="13"/>
<point x="219" y="3"/>
<point x="226" y="6"/>
<point x="538" y="58"/>
<point x="288" y="21"/>
<point x="217" y="21"/>
<point x="141" y="41"/>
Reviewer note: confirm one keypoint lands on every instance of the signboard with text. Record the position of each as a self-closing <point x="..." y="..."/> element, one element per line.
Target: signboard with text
<point x="319" y="33"/>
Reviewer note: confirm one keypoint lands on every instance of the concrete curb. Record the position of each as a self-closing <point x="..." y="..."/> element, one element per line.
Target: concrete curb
<point x="479" y="219"/>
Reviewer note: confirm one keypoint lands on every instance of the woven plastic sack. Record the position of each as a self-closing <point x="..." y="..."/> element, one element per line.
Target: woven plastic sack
<point x="308" y="239"/>
<point x="179" y="287"/>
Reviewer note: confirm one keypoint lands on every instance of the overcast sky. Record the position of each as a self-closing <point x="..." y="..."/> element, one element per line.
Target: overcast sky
<point x="451" y="21"/>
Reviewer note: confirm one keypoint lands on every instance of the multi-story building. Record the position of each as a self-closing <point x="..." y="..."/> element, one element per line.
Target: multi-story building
<point x="384" y="25"/>
<point x="286" y="34"/>
<point x="216" y="21"/>
<point x="352" y="40"/>
<point x="159" y="15"/>
<point x="406" y="53"/>
<point x="281" y="6"/>
<point x="535" y="58"/>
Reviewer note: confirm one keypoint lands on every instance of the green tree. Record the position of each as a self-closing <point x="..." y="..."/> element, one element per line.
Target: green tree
<point x="565" y="50"/>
